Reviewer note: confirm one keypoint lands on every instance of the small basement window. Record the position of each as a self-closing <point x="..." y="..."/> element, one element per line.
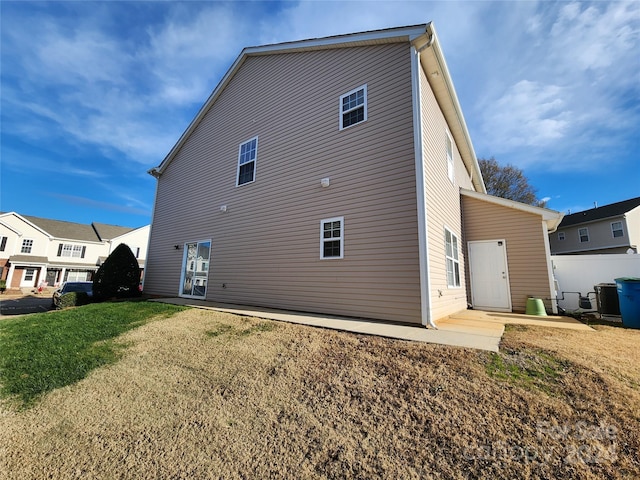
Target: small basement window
<point x="353" y="107"/>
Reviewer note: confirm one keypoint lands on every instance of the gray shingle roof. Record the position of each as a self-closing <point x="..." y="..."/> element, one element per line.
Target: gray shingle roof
<point x="95" y="232"/>
<point x="606" y="211"/>
<point x="109" y="232"/>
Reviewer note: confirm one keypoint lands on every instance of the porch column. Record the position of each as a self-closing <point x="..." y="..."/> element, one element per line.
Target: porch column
<point x="12" y="269"/>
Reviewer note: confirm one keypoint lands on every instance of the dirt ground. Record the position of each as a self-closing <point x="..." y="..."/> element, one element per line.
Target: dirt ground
<point x="213" y="395"/>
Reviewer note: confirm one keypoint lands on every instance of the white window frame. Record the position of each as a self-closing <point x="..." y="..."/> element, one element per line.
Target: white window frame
<point x="331" y="239"/>
<point x="452" y="260"/>
<point x="253" y="160"/>
<point x="27" y="245"/>
<point x="561" y="236"/>
<point x="614" y="230"/>
<point x="343" y="111"/>
<point x="586" y="234"/>
<point x="450" y="161"/>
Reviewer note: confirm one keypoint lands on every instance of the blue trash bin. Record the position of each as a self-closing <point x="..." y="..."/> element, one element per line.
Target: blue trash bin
<point x="629" y="297"/>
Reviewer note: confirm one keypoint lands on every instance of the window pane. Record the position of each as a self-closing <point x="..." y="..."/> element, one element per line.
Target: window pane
<point x="332" y="248"/>
<point x="246" y="173"/>
<point x="353" y="117"/>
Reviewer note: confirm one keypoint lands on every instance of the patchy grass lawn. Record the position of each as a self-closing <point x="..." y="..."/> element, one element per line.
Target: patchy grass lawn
<point x="212" y="395"/>
<point x="42" y="352"/>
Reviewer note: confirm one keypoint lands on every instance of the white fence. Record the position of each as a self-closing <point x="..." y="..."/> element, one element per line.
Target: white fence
<point x="580" y="273"/>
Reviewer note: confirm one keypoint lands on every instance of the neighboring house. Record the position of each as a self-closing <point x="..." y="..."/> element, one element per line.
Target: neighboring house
<point x="35" y="250"/>
<point x="613" y="228"/>
<point x="337" y="176"/>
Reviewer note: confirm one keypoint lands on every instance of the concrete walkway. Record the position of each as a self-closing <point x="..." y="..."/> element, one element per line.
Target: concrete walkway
<point x="468" y="329"/>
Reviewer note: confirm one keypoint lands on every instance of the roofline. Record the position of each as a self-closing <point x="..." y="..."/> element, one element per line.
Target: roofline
<point x="41" y="230"/>
<point x="551" y="217"/>
<point x="599" y="219"/>
<point x="9" y="227"/>
<point x="470" y="159"/>
<point x="390" y="35"/>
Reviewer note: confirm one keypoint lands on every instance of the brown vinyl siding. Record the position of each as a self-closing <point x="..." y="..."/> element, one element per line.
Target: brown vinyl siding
<point x="526" y="254"/>
<point x="443" y="205"/>
<point x="266" y="247"/>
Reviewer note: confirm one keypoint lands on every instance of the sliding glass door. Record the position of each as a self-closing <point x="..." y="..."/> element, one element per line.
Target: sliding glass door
<point x="195" y="269"/>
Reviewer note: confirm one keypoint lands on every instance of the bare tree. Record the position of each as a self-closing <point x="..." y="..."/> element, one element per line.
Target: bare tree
<point x="508" y="182"/>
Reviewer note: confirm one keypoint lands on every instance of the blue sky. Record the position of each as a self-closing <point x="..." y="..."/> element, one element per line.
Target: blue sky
<point x="96" y="93"/>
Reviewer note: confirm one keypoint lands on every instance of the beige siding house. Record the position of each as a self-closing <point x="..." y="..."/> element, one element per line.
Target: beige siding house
<point x="322" y="176"/>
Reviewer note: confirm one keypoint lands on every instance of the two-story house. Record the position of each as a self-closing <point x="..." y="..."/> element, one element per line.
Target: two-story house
<point x="337" y="175"/>
<point x="613" y="228"/>
<point x="35" y="250"/>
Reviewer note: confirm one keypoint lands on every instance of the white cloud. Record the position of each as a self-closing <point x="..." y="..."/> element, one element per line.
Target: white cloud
<point x="528" y="115"/>
<point x="569" y="93"/>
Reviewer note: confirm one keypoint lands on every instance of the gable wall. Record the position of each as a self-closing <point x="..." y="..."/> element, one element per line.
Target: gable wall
<point x="14" y="242"/>
<point x="526" y="254"/>
<point x="443" y="205"/>
<point x="266" y="247"/>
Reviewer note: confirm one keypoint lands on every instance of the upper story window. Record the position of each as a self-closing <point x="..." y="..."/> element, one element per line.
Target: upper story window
<point x="247" y="157"/>
<point x="453" y="259"/>
<point x="450" y="170"/>
<point x="3" y="243"/>
<point x="27" y="245"/>
<point x="583" y="233"/>
<point x="616" y="229"/>
<point x="72" y="251"/>
<point x="332" y="238"/>
<point x="561" y="236"/>
<point x="353" y="107"/>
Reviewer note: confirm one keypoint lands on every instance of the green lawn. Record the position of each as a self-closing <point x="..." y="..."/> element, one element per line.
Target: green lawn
<point x="41" y="352"/>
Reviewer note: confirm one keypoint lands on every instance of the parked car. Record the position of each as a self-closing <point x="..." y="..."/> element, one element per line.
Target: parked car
<point x="67" y="287"/>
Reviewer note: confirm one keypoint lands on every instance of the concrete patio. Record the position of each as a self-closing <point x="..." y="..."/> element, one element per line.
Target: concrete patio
<point x="468" y="329"/>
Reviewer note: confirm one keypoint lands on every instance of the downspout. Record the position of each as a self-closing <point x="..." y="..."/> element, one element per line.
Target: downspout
<point x="155" y="173"/>
<point x="421" y="196"/>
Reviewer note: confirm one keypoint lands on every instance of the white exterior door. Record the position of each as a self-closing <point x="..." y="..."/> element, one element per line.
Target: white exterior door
<point x="29" y="277"/>
<point x="489" y="275"/>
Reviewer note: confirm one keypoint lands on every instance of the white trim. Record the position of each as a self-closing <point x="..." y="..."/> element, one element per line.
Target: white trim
<point x="357" y="107"/>
<point x="421" y="194"/>
<point x="340" y="238"/>
<point x="254" y="160"/>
